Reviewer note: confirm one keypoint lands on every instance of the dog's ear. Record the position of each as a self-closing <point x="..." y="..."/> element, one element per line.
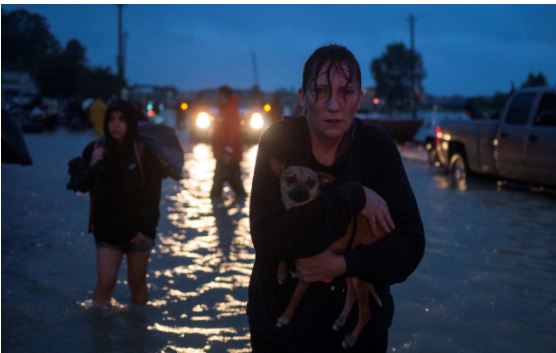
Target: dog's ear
<point x="276" y="166"/>
<point x="325" y="178"/>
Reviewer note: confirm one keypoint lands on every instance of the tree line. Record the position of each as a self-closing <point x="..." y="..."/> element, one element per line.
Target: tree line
<point x="60" y="72"/>
<point x="28" y="45"/>
<point x="395" y="84"/>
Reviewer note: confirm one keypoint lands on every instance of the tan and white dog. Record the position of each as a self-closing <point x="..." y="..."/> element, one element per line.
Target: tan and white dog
<point x="299" y="186"/>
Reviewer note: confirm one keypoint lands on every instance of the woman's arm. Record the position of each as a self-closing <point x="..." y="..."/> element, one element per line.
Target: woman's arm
<point x="396" y="256"/>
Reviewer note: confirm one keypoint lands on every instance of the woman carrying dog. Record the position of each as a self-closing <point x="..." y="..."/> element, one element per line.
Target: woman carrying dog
<point x="370" y="180"/>
<point x="125" y="182"/>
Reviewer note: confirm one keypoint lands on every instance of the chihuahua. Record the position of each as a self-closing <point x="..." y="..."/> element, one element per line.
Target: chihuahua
<point x="299" y="186"/>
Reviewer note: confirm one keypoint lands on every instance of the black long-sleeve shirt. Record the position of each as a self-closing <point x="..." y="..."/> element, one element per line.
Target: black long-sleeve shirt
<point x="367" y="157"/>
<point x="126" y="194"/>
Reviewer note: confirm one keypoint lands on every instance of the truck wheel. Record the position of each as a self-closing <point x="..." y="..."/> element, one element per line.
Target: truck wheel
<point x="458" y="168"/>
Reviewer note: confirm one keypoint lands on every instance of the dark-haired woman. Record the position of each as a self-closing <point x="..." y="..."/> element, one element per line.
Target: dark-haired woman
<point x="371" y="182"/>
<point x="125" y="196"/>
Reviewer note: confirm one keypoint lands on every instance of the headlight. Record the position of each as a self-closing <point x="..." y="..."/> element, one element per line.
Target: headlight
<point x="203" y="120"/>
<point x="257" y="121"/>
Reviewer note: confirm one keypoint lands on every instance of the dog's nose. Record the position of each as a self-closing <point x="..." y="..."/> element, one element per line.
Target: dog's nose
<point x="299" y="194"/>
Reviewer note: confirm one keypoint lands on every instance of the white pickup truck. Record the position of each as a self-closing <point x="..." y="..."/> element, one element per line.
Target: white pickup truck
<point x="520" y="146"/>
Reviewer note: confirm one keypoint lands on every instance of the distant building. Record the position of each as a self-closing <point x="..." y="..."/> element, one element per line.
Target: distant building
<point x="18" y="87"/>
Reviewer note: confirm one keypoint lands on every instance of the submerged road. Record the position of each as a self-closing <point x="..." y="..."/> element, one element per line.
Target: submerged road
<point x="486" y="283"/>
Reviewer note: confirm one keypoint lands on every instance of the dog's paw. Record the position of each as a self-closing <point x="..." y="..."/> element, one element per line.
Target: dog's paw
<point x="349" y="341"/>
<point x="282" y="321"/>
<point x="339" y="323"/>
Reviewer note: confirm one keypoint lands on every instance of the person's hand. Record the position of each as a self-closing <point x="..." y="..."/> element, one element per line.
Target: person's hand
<point x="98" y="154"/>
<point x="321" y="266"/>
<point x="139" y="238"/>
<point x="229" y="149"/>
<point x="376" y="212"/>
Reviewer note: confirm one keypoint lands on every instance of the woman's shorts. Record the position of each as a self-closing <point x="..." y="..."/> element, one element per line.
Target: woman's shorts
<point x="146" y="245"/>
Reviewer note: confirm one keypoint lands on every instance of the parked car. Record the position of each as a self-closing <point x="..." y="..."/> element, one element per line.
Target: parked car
<point x="520" y="145"/>
<point x="35" y="120"/>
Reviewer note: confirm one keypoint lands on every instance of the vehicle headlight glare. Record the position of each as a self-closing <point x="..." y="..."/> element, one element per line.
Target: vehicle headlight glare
<point x="256" y="122"/>
<point x="203" y="120"/>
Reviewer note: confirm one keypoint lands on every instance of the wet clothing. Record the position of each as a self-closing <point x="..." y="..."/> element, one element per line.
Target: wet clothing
<point x="226" y="137"/>
<point x="145" y="245"/>
<point x="367" y="156"/>
<point x="230" y="172"/>
<point x="125" y="199"/>
<point x="227" y="149"/>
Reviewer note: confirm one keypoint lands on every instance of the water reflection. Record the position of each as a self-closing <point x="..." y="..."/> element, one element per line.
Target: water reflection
<point x="207" y="261"/>
<point x="486" y="278"/>
<point x="119" y="329"/>
<point x="487" y="268"/>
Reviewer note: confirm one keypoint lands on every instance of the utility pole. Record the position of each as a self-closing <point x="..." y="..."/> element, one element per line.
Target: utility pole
<point x="255" y="71"/>
<point x="255" y="96"/>
<point x="413" y="104"/>
<point x="121" y="64"/>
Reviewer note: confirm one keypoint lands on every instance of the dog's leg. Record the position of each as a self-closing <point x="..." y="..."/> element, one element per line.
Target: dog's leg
<point x="372" y="291"/>
<point x="282" y="272"/>
<point x="287" y="316"/>
<point x="362" y="294"/>
<point x="348" y="305"/>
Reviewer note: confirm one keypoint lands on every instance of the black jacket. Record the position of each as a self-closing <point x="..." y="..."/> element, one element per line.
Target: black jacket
<point x="125" y="199"/>
<point x="368" y="156"/>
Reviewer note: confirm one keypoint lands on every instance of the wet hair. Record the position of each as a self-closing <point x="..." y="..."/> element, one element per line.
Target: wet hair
<point x="333" y="57"/>
<point x="131" y="119"/>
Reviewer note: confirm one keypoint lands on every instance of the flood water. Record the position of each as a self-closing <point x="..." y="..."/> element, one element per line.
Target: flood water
<point x="486" y="283"/>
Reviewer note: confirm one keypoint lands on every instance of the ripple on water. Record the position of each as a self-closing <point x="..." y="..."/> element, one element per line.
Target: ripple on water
<point x="203" y="266"/>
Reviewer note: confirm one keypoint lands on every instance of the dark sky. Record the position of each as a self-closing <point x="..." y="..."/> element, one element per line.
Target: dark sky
<point x="467" y="49"/>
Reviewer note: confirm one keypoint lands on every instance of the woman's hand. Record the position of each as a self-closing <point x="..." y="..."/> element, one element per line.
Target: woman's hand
<point x="321" y="266"/>
<point x="377" y="213"/>
<point x="98" y="154"/>
<point x="139" y="238"/>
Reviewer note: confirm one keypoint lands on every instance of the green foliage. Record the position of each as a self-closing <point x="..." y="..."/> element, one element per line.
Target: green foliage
<point x="393" y="76"/>
<point x="101" y="83"/>
<point x="28" y="45"/>
<point x="26" y="41"/>
<point x="534" y="80"/>
<point x="64" y="75"/>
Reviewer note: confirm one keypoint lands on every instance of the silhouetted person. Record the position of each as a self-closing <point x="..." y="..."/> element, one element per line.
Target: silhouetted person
<point x="96" y="115"/>
<point x="123" y="177"/>
<point x="226" y="145"/>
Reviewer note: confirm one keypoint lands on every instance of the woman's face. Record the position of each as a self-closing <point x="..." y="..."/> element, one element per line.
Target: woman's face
<point x="117" y="126"/>
<point x="332" y="106"/>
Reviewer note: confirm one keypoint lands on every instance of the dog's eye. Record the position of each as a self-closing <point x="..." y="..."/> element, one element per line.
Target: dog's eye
<point x="311" y="183"/>
<point x="290" y="179"/>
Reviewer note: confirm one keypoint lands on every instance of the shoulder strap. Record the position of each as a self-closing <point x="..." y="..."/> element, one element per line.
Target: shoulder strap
<point x="138" y="150"/>
<point x="101" y="141"/>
